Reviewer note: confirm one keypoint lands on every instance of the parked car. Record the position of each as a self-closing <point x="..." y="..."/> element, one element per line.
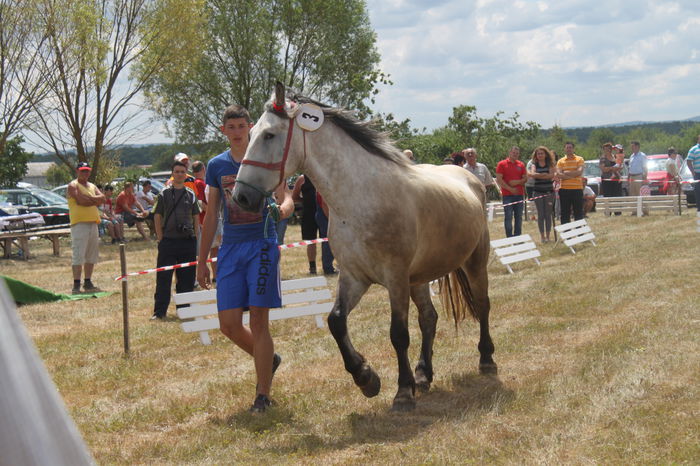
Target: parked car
<point x="61" y="190"/>
<point x="591" y="171"/>
<point x="17" y="218"/>
<point x="40" y="201"/>
<point x="656" y="174"/>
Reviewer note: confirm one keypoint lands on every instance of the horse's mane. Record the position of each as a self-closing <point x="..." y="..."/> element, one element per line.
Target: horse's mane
<point x="362" y="132"/>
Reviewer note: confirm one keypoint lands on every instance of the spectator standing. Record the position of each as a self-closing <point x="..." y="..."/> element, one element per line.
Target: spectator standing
<point x="511" y="176"/>
<point x="199" y="172"/>
<point x="673" y="166"/>
<point x="693" y="161"/>
<point x="83" y="201"/>
<point x="189" y="180"/>
<point x="248" y="259"/>
<point x="637" y="172"/>
<point x="130" y="211"/>
<point x="569" y="171"/>
<point x="305" y="193"/>
<point x="176" y="214"/>
<point x="542" y="171"/>
<point x="478" y="169"/>
<point x="610" y="184"/>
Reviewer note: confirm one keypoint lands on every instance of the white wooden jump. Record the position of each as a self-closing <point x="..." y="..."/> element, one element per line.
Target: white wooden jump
<point x="639" y="204"/>
<point x="495" y="209"/>
<point x="573" y="233"/>
<point x="515" y="249"/>
<point x="301" y="297"/>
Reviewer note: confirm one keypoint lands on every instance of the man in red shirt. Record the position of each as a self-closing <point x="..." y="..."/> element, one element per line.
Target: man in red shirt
<point x="511" y="177"/>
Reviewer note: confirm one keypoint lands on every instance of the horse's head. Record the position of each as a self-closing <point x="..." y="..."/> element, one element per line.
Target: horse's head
<point x="269" y="157"/>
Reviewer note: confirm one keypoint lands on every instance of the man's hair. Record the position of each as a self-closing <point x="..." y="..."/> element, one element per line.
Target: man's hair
<point x="146" y="183"/>
<point x="569" y="142"/>
<point x="109" y="187"/>
<point x="177" y="164"/>
<point x="235" y="111"/>
<point x="128" y="184"/>
<point x="636" y="143"/>
<point x="198" y="166"/>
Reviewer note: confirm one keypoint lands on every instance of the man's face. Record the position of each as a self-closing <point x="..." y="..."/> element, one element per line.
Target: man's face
<point x="514" y="153"/>
<point x="179" y="174"/>
<point x="146" y="188"/>
<point x="569" y="149"/>
<point x="83" y="175"/>
<point x="200" y="174"/>
<point x="635" y="147"/>
<point x="236" y="131"/>
<point x="471" y="157"/>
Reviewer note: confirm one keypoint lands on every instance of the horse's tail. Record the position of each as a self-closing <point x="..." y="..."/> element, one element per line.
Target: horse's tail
<point x="456" y="295"/>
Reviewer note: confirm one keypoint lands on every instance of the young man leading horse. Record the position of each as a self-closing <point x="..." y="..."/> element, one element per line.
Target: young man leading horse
<point x="248" y="261"/>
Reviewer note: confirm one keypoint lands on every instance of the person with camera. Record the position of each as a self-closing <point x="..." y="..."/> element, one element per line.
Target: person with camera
<point x="175" y="215"/>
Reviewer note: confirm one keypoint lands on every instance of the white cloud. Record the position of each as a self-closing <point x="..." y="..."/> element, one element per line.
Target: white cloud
<point x="552" y="62"/>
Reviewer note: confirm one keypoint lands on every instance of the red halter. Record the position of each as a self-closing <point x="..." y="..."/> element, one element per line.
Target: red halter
<point x="276" y="165"/>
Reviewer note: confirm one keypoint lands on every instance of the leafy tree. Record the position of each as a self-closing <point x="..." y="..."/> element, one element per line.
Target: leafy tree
<point x="21" y="83"/>
<point x="58" y="175"/>
<point x="322" y="48"/>
<point x="95" y="63"/>
<point x="14" y="162"/>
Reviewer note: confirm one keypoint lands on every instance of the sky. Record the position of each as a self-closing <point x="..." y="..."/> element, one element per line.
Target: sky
<point x="566" y="63"/>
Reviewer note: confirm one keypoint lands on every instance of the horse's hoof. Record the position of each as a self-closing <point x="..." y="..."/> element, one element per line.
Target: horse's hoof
<point x="422" y="382"/>
<point x="369" y="382"/>
<point x="403" y="404"/>
<point x="488" y="368"/>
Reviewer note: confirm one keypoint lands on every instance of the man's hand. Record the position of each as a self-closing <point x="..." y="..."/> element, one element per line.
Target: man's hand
<point x="203" y="277"/>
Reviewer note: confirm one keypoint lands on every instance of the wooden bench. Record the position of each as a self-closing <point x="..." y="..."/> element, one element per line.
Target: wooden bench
<point x="515" y="249"/>
<point x="639" y="204"/>
<point x="301" y="297"/>
<point x="573" y="233"/>
<point x="21" y="240"/>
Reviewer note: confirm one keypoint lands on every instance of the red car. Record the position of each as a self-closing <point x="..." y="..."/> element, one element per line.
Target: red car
<point x="656" y="172"/>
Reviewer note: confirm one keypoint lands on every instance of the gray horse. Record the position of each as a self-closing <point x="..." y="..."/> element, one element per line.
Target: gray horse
<point x="391" y="222"/>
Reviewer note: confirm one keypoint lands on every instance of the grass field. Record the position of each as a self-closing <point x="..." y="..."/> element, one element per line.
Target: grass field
<point x="598" y="353"/>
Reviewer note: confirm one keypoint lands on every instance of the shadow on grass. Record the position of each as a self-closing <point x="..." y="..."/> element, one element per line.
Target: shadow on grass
<point x="470" y="397"/>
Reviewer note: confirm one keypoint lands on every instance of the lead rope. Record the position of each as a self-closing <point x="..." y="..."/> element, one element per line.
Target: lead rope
<point x="273" y="210"/>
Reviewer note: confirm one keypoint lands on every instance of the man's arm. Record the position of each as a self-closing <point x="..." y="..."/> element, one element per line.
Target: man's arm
<point x="211" y="220"/>
<point x="690" y="164"/>
<point x="503" y="185"/>
<point x="296" y="194"/>
<point x="158" y="223"/>
<point x="284" y="200"/>
<point x="80" y="197"/>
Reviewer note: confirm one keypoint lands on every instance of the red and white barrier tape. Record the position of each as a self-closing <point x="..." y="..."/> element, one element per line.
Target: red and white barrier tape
<point x="190" y="264"/>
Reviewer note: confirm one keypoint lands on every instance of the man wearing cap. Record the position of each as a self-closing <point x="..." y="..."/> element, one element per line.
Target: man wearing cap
<point x="83" y="199"/>
<point x="693" y="161"/>
<point x="189" y="180"/>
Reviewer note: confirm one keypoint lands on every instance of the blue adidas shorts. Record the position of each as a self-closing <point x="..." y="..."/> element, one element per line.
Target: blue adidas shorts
<point x="248" y="274"/>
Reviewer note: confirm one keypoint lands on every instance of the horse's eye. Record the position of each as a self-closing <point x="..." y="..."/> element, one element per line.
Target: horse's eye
<point x="268" y="136"/>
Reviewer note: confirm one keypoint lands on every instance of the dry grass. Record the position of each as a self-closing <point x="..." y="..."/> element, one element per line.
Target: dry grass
<point x="598" y="354"/>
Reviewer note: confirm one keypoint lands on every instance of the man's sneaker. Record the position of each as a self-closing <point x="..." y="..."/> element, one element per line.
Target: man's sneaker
<point x="76" y="290"/>
<point x="312" y="268"/>
<point x="260" y="404"/>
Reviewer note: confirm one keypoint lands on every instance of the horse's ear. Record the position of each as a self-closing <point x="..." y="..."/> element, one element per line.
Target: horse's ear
<point x="279" y="95"/>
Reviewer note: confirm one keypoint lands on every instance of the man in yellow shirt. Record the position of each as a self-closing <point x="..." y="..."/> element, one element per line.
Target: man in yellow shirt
<point x="83" y="199"/>
<point x="569" y="171"/>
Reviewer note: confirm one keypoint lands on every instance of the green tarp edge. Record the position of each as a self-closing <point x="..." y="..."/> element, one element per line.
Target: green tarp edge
<point x="24" y="293"/>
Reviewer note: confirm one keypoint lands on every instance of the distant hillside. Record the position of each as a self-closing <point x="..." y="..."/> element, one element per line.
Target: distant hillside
<point x="669" y="127"/>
